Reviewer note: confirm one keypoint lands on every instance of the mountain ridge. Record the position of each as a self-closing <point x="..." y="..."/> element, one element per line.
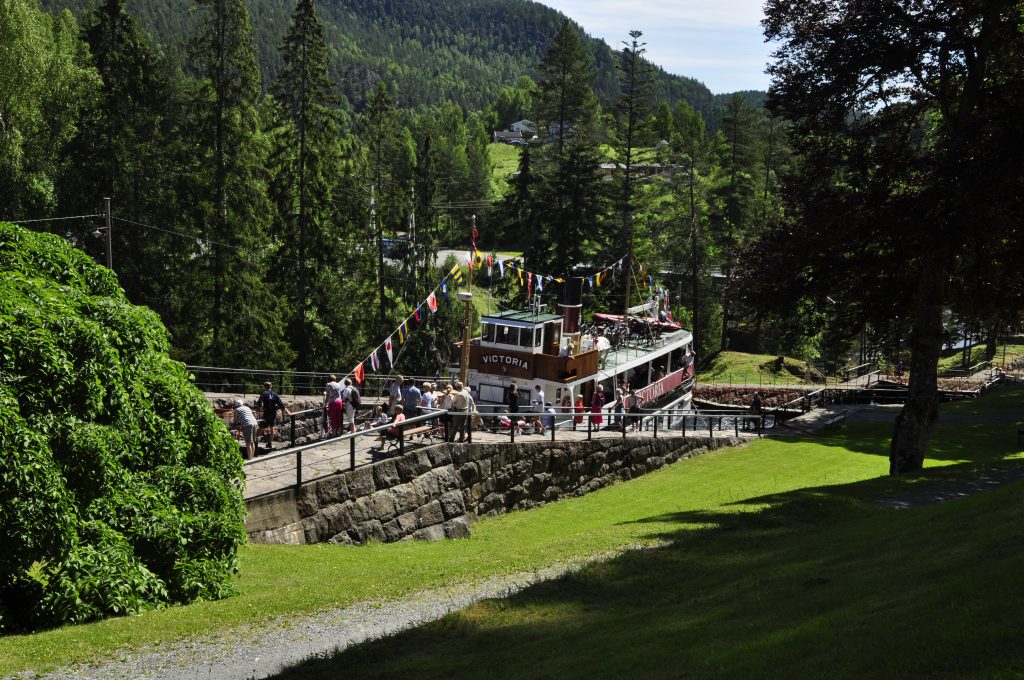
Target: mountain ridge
<point x="458" y="50"/>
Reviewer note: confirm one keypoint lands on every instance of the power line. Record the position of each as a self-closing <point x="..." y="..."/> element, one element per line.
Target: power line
<point x="54" y="219"/>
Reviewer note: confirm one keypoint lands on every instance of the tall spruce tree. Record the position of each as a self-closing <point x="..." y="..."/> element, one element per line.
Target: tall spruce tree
<point x="568" y="165"/>
<point x="123" y="151"/>
<point x="632" y="111"/>
<point x="244" y="316"/>
<point x="306" y="157"/>
<point x="735" y="219"/>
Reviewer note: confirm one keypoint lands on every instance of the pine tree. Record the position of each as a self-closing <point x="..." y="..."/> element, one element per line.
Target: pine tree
<point x="306" y="156"/>
<point x="632" y="110"/>
<point x="122" y="151"/>
<point x="735" y="221"/>
<point x="568" y="166"/>
<point x="244" y="316"/>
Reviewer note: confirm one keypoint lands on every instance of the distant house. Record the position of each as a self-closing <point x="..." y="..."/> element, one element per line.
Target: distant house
<point x="506" y="136"/>
<point x="524" y="126"/>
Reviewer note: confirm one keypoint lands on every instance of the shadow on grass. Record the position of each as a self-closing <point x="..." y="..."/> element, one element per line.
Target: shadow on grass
<point x="814" y="583"/>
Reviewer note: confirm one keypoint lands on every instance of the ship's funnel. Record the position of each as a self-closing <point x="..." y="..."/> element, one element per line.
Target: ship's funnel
<point x="571" y="305"/>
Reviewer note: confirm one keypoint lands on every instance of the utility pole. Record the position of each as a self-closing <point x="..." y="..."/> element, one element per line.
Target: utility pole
<point x="696" y="257"/>
<point x="376" y="229"/>
<point x="110" y="241"/>
<point x="467" y="299"/>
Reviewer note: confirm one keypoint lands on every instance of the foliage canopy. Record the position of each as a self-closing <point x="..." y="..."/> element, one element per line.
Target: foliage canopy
<point x="116" y="480"/>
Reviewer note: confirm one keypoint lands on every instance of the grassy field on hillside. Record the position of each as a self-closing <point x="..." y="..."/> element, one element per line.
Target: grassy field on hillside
<point x="977" y="355"/>
<point x="701" y="502"/>
<point x="755" y="369"/>
<point x="504" y="161"/>
<point x="814" y="582"/>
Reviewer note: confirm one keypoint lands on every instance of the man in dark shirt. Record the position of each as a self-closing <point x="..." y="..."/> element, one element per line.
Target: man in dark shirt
<point x="270" y="402"/>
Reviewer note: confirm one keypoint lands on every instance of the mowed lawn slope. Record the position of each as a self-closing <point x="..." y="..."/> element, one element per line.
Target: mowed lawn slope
<point x="725" y="547"/>
<point x="816" y="582"/>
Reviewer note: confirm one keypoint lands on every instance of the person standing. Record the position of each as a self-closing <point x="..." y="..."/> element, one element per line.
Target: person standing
<point x="446" y="402"/>
<point x="538" y="399"/>
<point x="513" y="399"/>
<point x="634" y="411"/>
<point x="270" y="402"/>
<point x="597" y="405"/>
<point x="349" y="401"/>
<point x="245" y="419"/>
<point x="332" y="390"/>
<point x="620" y="407"/>
<point x="411" y="396"/>
<point x="460" y="410"/>
<point x="755" y="409"/>
<point x="579" y="408"/>
<point x="395" y="395"/>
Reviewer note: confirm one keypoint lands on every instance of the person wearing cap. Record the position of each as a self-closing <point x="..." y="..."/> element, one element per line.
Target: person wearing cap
<point x="460" y="410"/>
<point x="245" y="419"/>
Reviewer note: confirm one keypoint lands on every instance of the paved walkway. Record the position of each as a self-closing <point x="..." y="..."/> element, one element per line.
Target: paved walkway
<point x="267" y="474"/>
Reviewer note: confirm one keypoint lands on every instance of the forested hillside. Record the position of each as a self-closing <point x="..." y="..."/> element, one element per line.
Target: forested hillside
<point x="455" y="50"/>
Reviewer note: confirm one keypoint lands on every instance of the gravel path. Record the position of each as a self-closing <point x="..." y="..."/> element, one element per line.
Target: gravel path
<point x="282" y="643"/>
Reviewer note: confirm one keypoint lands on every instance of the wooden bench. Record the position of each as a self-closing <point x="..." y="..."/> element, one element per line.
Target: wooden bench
<point x="427" y="434"/>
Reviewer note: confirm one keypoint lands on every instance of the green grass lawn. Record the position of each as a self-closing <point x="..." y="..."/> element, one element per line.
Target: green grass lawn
<point x="811" y="582"/>
<point x="504" y="162"/>
<point x="756" y="369"/>
<point x="749" y="527"/>
<point x="977" y="355"/>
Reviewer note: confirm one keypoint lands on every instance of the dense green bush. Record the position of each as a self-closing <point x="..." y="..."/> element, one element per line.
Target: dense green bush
<point x="116" y="477"/>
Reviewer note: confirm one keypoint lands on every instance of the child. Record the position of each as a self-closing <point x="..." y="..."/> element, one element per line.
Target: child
<point x="379" y="418"/>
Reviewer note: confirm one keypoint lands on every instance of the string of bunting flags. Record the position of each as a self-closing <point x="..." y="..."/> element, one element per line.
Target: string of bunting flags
<point x="410" y="323"/>
<point x="476" y="260"/>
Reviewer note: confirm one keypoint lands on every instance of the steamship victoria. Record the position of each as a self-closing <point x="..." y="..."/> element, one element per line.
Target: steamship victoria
<point x="567" y="359"/>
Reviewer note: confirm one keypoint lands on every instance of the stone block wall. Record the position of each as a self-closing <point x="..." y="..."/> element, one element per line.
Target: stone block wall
<point x="434" y="492"/>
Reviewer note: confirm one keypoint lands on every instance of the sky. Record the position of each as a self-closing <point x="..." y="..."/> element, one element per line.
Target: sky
<point x="718" y="42"/>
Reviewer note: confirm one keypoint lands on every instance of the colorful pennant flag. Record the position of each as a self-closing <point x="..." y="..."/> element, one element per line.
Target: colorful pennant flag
<point x="432" y="302"/>
<point x="540" y="283"/>
<point x="401" y="333"/>
<point x="359" y="373"/>
<point x="456" y="274"/>
<point x="387" y="348"/>
<point x="444" y="292"/>
<point x="501" y="268"/>
<point x="375" y="361"/>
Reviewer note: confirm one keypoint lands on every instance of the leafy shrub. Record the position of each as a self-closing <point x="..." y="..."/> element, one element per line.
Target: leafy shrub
<point x="117" y="488"/>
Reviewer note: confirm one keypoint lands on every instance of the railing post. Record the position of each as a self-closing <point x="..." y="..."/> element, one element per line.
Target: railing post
<point x="590" y="425"/>
<point x="293" y="431"/>
<point x="554" y="426"/>
<point x="736" y="425"/>
<point x="656" y="425"/>
<point x="298" y="469"/>
<point x="401" y="439"/>
<point x="469" y="427"/>
<point x="352" y="453"/>
<point x="684" y="426"/>
<point x="513" y="424"/>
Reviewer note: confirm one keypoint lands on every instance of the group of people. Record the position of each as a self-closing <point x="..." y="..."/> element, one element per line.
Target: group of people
<point x="342" y="400"/>
<point x="270" y="404"/>
<point x="406" y="400"/>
